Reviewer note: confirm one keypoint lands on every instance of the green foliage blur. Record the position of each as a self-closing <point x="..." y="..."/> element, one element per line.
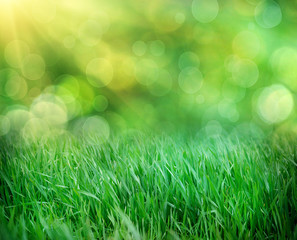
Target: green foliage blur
<point x="102" y="66"/>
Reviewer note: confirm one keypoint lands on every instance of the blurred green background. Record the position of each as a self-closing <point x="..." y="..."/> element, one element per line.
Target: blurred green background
<point x="103" y="66"/>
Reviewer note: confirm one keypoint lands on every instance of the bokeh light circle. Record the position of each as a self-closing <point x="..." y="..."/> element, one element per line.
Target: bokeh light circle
<point x="180" y="18"/>
<point x="18" y="116"/>
<point x="188" y="59"/>
<point x="245" y="72"/>
<point x="162" y="85"/>
<point x="190" y="80"/>
<point x="90" y="32"/>
<point x="275" y="103"/>
<point x="96" y="126"/>
<point x="12" y="84"/>
<point x="146" y="71"/>
<point x="139" y="48"/>
<point x="69" y="41"/>
<point x="16" y="87"/>
<point x="124" y="73"/>
<point x="35" y="128"/>
<point x="50" y="109"/>
<point x="99" y="72"/>
<point x="246" y="44"/>
<point x="165" y="17"/>
<point x="232" y="91"/>
<point x="102" y="18"/>
<point x="200" y="99"/>
<point x="68" y="99"/>
<point x="228" y="109"/>
<point x="157" y="48"/>
<point x="213" y="128"/>
<point x="15" y="51"/>
<point x="43" y="11"/>
<point x="4" y="125"/>
<point x="100" y="103"/>
<point x="33" y="67"/>
<point x="116" y="121"/>
<point x="70" y="83"/>
<point x="268" y="14"/>
<point x="284" y="65"/>
<point x="205" y="11"/>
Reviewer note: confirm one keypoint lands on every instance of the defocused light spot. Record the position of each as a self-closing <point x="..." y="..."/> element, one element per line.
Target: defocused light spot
<point x="4" y="125"/>
<point x="210" y="92"/>
<point x="275" y="103"/>
<point x="15" y="52"/>
<point x="66" y="96"/>
<point x="43" y="11"/>
<point x="139" y="48"/>
<point x="124" y="75"/>
<point x="200" y="99"/>
<point x="227" y="109"/>
<point x="96" y="126"/>
<point x="163" y="16"/>
<point x="247" y="129"/>
<point x="148" y="114"/>
<point x="229" y="62"/>
<point x="116" y="121"/>
<point x="284" y="64"/>
<point x="188" y="59"/>
<point x="90" y="32"/>
<point x="70" y="83"/>
<point x="33" y="67"/>
<point x="34" y="92"/>
<point x="190" y="80"/>
<point x="69" y="42"/>
<point x="180" y="18"/>
<point x="251" y="26"/>
<point x="74" y="109"/>
<point x="102" y="18"/>
<point x="245" y="8"/>
<point x="157" y="48"/>
<point x="232" y="92"/>
<point x="146" y="71"/>
<point x="187" y="102"/>
<point x="16" y="86"/>
<point x="244" y="72"/>
<point x="51" y="109"/>
<point x="12" y="84"/>
<point x="76" y="126"/>
<point x="99" y="72"/>
<point x="83" y="55"/>
<point x="86" y="96"/>
<point x="100" y="103"/>
<point x="62" y="93"/>
<point x="213" y="128"/>
<point x="35" y="128"/>
<point x="145" y="112"/>
<point x="18" y="118"/>
<point x="246" y="44"/>
<point x="205" y="11"/>
<point x="268" y="14"/>
<point x="162" y="85"/>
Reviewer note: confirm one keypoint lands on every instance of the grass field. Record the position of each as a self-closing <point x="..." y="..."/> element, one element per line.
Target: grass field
<point x="149" y="187"/>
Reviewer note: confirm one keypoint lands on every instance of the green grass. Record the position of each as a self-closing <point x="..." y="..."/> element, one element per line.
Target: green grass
<point x="149" y="187"/>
